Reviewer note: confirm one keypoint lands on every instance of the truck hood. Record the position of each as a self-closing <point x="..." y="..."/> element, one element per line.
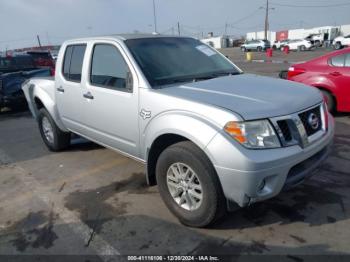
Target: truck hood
<point x="339" y="38"/>
<point x="251" y="96"/>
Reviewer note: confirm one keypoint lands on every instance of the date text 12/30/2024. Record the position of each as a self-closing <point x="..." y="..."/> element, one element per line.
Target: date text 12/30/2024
<point x="173" y="258"/>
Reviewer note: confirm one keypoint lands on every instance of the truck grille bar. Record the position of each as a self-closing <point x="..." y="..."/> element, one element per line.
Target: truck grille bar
<point x="302" y="128"/>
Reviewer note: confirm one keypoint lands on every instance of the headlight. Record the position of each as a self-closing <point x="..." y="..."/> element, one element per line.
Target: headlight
<point x="253" y="134"/>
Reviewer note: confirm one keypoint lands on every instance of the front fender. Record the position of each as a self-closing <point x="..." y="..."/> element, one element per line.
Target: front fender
<point x="193" y="127"/>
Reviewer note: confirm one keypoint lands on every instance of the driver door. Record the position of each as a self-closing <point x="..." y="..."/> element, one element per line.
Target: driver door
<point x="111" y="100"/>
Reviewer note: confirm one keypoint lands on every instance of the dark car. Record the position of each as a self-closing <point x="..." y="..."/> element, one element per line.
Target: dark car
<point x="13" y="72"/>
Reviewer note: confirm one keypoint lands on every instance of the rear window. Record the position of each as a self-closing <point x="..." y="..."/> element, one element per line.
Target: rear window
<point x="38" y="55"/>
<point x="338" y="61"/>
<point x="73" y="62"/>
<point x="347" y="60"/>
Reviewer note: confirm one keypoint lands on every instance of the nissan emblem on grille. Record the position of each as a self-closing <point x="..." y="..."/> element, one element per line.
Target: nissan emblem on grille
<point x="313" y="121"/>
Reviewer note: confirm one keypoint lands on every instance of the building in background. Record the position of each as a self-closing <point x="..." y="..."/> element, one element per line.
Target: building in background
<point x="217" y="42"/>
<point x="271" y="36"/>
<point x="328" y="33"/>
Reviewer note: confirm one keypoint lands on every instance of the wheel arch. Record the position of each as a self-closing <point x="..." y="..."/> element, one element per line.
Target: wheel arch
<point x="158" y="146"/>
<point x="172" y="127"/>
<point x="42" y="99"/>
<point x="330" y="91"/>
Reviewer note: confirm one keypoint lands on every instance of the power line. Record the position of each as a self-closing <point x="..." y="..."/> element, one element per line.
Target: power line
<point x="245" y="17"/>
<point x="311" y="6"/>
<point x="16" y="40"/>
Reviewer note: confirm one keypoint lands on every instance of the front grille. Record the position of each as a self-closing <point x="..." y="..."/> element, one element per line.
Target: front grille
<point x="304" y="117"/>
<point x="284" y="127"/>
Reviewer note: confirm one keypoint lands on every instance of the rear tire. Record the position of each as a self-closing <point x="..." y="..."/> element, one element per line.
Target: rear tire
<point x="330" y="101"/>
<point x="243" y="49"/>
<point x="54" y="138"/>
<point x="186" y="158"/>
<point x="338" y="45"/>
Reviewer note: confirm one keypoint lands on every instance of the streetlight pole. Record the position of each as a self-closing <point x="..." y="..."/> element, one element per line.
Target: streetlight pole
<point x="154" y="17"/>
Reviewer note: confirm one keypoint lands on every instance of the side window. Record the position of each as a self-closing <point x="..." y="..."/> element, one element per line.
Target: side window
<point x="347" y="60"/>
<point x="109" y="69"/>
<point x="66" y="62"/>
<point x="338" y="60"/>
<point x="73" y="62"/>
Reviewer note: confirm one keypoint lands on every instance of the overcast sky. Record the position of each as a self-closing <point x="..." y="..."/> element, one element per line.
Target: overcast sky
<point x="57" y="20"/>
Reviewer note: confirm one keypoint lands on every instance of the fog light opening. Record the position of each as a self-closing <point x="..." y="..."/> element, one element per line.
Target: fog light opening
<point x="261" y="185"/>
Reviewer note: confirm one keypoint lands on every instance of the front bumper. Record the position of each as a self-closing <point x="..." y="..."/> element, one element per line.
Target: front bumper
<point x="249" y="176"/>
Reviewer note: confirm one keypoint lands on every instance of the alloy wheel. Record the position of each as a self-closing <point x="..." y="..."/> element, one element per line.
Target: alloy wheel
<point x="184" y="186"/>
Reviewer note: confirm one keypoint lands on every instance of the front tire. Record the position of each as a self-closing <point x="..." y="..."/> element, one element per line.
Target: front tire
<point x="54" y="138"/>
<point x="338" y="46"/>
<point x="259" y="49"/>
<point x="189" y="185"/>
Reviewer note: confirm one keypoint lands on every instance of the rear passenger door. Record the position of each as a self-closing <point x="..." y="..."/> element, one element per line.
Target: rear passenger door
<point x="339" y="74"/>
<point x="69" y="89"/>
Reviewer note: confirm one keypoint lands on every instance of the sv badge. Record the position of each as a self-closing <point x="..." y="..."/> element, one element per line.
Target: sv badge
<point x="145" y="114"/>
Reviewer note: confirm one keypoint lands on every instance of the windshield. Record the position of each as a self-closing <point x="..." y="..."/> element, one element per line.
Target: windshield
<point x="167" y="60"/>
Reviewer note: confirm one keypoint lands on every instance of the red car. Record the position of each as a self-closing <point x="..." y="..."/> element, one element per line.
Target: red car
<point x="329" y="73"/>
<point x="43" y="59"/>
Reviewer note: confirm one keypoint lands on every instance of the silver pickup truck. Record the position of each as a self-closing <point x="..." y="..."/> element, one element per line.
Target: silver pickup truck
<point x="210" y="135"/>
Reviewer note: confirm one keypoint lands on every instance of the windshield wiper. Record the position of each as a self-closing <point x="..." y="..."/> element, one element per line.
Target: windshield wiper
<point x="194" y="78"/>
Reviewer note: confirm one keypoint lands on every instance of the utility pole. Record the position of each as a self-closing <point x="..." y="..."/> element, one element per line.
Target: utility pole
<point x="267" y="9"/>
<point x="226" y="28"/>
<point x="154" y="17"/>
<point x="178" y="28"/>
<point x="38" y="41"/>
<point x="267" y="19"/>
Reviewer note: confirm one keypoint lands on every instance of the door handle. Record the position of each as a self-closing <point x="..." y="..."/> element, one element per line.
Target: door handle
<point x="88" y="95"/>
<point x="60" y="89"/>
<point x="335" y="74"/>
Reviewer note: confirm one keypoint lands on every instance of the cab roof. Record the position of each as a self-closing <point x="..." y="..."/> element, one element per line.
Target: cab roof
<point x="123" y="37"/>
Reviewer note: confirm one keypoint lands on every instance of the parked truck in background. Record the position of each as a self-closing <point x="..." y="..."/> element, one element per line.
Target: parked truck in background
<point x="209" y="135"/>
<point x="341" y="42"/>
<point x="316" y="40"/>
<point x="14" y="71"/>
